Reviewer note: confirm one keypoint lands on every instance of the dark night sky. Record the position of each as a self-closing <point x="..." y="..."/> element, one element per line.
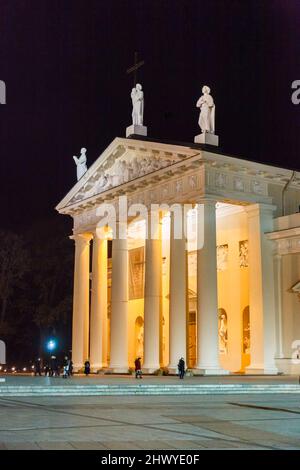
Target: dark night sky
<point x="64" y="65"/>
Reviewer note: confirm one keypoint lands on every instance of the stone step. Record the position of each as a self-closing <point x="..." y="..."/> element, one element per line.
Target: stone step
<point x="147" y="389"/>
<point x="143" y="385"/>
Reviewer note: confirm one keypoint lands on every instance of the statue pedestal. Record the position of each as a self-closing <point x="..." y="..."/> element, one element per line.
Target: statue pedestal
<point x="136" y="130"/>
<point x="207" y="138"/>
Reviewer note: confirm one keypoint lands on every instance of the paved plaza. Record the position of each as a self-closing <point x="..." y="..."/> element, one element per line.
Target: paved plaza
<point x="113" y="379"/>
<point x="151" y="422"/>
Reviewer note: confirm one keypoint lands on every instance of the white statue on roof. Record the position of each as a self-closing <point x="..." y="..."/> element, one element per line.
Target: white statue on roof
<point x="81" y="163"/>
<point x="207" y="111"/>
<point x="137" y="98"/>
<point x="206" y="118"/>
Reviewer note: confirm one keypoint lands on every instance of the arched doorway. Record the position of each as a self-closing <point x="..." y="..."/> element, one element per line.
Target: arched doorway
<point x="139" y="337"/>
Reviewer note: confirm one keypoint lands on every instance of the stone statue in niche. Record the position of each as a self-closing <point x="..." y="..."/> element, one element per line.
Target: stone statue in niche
<point x="246" y="331"/>
<point x="246" y="340"/>
<point x="81" y="163"/>
<point x="207" y="111"/>
<point x="223" y="335"/>
<point x="243" y="254"/>
<point x="140" y="343"/>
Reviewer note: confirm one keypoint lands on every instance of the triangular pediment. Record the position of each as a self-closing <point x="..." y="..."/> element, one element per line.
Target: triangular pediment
<point x="124" y="160"/>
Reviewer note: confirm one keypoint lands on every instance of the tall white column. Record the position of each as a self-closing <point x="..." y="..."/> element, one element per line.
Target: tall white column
<point x="80" y="332"/>
<point x="178" y="298"/>
<point x="119" y="306"/>
<point x="278" y="305"/>
<point x="207" y="293"/>
<point x="261" y="291"/>
<point x="98" y="328"/>
<point x="152" y="298"/>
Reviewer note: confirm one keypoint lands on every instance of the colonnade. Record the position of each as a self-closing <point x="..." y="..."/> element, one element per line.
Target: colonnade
<point x="90" y="327"/>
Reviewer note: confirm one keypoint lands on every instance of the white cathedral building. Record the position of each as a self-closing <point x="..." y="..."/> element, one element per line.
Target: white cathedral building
<point x="227" y="301"/>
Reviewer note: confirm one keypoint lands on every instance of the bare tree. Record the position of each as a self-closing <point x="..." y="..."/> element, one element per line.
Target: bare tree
<point x="14" y="262"/>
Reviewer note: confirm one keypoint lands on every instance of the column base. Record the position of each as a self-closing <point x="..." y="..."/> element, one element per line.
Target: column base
<point x="288" y="366"/>
<point x="95" y="368"/>
<point x="210" y="371"/>
<point x="260" y="369"/>
<point x="136" y="130"/>
<point x="77" y="367"/>
<point x="150" y="369"/>
<point x="117" y="370"/>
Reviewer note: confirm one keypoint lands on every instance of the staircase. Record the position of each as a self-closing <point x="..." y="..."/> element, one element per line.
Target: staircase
<point x="145" y="389"/>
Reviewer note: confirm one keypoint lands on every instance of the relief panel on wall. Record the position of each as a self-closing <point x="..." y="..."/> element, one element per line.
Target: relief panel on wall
<point x="243" y="254"/>
<point x="222" y="257"/>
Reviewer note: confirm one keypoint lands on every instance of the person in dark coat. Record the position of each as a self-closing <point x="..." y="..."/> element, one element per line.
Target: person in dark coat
<point x="181" y="368"/>
<point x="47" y="370"/>
<point x="37" y="367"/>
<point x="70" y="367"/>
<point x="138" y="368"/>
<point x="87" y="368"/>
<point x="53" y="367"/>
<point x="66" y="372"/>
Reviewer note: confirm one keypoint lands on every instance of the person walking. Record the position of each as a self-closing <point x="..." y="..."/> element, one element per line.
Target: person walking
<point x="138" y="368"/>
<point x="70" y="367"/>
<point x="47" y="370"/>
<point x="87" y="367"/>
<point x="37" y="367"/>
<point x="53" y="367"/>
<point x="181" y="368"/>
<point x="66" y="372"/>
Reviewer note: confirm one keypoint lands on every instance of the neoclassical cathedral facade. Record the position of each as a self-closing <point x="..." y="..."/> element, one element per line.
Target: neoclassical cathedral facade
<point x="226" y="300"/>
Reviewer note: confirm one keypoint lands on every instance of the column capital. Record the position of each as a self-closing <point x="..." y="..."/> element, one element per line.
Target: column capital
<point x="83" y="238"/>
<point x="100" y="233"/>
<point x="259" y="208"/>
<point x="207" y="201"/>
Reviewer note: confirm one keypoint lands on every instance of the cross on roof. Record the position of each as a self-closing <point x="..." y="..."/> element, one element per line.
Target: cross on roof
<point x="135" y="68"/>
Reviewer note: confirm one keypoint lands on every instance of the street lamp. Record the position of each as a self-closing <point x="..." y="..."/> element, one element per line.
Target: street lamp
<point x="51" y="345"/>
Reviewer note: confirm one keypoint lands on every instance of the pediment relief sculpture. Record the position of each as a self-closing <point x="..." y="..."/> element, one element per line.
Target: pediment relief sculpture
<point x="121" y="171"/>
